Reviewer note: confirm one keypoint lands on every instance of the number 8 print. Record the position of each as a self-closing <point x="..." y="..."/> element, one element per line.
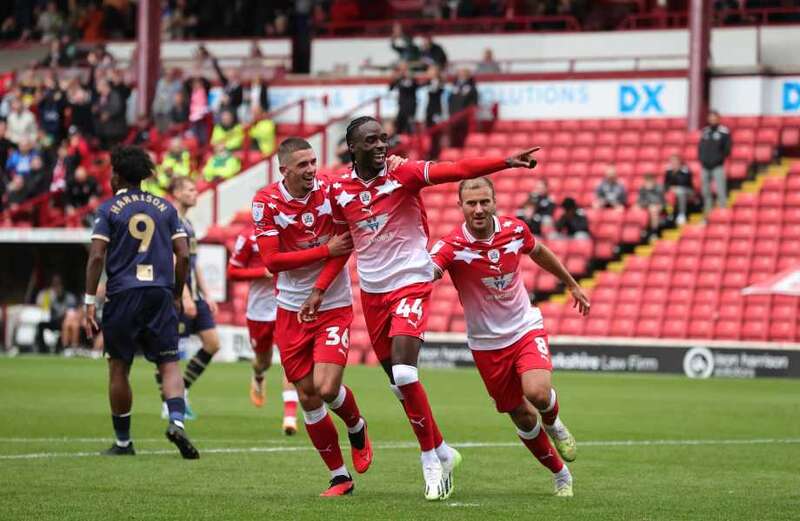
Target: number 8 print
<point x="541" y="345"/>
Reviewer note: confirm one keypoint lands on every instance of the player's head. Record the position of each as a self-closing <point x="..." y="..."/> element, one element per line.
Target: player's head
<point x="368" y="143"/>
<point x="184" y="191"/>
<point x="298" y="164"/>
<point x="131" y="165"/>
<point x="476" y="199"/>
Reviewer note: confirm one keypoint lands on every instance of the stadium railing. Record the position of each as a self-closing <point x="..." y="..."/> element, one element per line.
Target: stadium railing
<point x="459" y="25"/>
<point x="633" y="62"/>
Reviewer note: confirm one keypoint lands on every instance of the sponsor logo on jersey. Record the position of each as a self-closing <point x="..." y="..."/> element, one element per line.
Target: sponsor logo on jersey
<point x="374" y="223"/>
<point x="498" y="283"/>
<point x="494" y="255"/>
<point x="365" y="197"/>
<point x="258" y="211"/>
<point x="313" y="242"/>
<point x="308" y="219"/>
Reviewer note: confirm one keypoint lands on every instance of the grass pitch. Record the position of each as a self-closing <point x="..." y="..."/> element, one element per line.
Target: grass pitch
<point x="649" y="448"/>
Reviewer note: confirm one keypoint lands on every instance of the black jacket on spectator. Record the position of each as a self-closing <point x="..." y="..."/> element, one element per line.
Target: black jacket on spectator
<point x="109" y="120"/>
<point x="543" y="204"/>
<point x="435" y="56"/>
<point x="6" y="147"/>
<point x="433" y="111"/>
<point x="233" y="90"/>
<point x="714" y="146"/>
<point x="78" y="194"/>
<point x="569" y="225"/>
<point x="680" y="177"/>
<point x="464" y="94"/>
<point x="407" y="103"/>
<point x="82" y="117"/>
<point x="51" y="113"/>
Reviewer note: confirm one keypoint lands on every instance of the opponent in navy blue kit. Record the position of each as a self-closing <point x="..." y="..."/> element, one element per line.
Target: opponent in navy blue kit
<point x="135" y="236"/>
<point x="198" y="313"/>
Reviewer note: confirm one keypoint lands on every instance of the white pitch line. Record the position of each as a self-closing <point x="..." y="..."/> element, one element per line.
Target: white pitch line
<point x="410" y="445"/>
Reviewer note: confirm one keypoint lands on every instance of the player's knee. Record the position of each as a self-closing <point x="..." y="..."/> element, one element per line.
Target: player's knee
<point x="523" y="416"/>
<point x="539" y="396"/>
<point x="404" y="374"/>
<point x="328" y="391"/>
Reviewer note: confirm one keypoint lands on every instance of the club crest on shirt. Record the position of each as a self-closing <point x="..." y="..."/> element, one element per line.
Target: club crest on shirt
<point x="365" y="197"/>
<point x="494" y="255"/>
<point x="307" y="219"/>
<point x="258" y="211"/>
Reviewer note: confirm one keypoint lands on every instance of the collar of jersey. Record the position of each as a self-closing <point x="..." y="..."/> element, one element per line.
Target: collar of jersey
<point x="470" y="238"/>
<point x="289" y="197"/>
<point x="382" y="173"/>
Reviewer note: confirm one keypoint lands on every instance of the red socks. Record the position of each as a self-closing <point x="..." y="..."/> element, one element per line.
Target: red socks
<point x="345" y="407"/>
<point x="324" y="437"/>
<point x="539" y="444"/>
<point x="550" y="414"/>
<point x="419" y="414"/>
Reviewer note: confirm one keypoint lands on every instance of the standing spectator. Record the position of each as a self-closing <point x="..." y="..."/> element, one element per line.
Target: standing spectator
<point x="52" y="105"/>
<point x="56" y="56"/>
<point x="262" y="131"/>
<point x="406" y="87"/>
<point x="50" y="23"/>
<point x="79" y="151"/>
<point x="222" y="165"/>
<point x="79" y="103"/>
<point x="464" y="94"/>
<point x="610" y="193"/>
<point x="62" y="170"/>
<point x="21" y="123"/>
<point x="228" y="132"/>
<point x="712" y="150"/>
<point x="403" y="44"/>
<point x="179" y="111"/>
<point x="488" y="65"/>
<point x="678" y="179"/>
<point x="651" y="198"/>
<point x="232" y="91"/>
<point x="259" y="93"/>
<point x="197" y="89"/>
<point x="82" y="190"/>
<point x="176" y="162"/>
<point x="573" y="222"/>
<point x="538" y="210"/>
<point x="434" y="109"/>
<point x="163" y="101"/>
<point x="109" y="115"/>
<point x="432" y="53"/>
<point x="57" y="301"/>
<point x="6" y="145"/>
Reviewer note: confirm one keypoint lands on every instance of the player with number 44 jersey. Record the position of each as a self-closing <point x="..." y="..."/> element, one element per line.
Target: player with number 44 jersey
<point x="504" y="331"/>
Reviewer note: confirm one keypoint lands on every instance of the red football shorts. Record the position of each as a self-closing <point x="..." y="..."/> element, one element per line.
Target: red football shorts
<point x="501" y="369"/>
<point x="301" y="345"/>
<point x="261" y="335"/>
<point x="401" y="312"/>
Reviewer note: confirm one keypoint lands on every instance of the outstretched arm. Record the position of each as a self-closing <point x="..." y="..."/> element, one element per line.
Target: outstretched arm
<point x="277" y="261"/>
<point x="448" y="172"/>
<point x="545" y="258"/>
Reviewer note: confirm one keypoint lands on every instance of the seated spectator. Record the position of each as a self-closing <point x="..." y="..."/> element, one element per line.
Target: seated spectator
<point x="222" y="165"/>
<point x="82" y="190"/>
<point x="651" y="198"/>
<point x="196" y="91"/>
<point x="21" y="123"/>
<point x="610" y="193"/>
<point x="79" y="149"/>
<point x="487" y="65"/>
<point x="573" y="222"/>
<point x="63" y="168"/>
<point x="57" y="301"/>
<point x="262" y="131"/>
<point x="228" y="132"/>
<point x="176" y="162"/>
<point x="678" y="179"/>
<point x="20" y="162"/>
<point x="51" y="107"/>
<point x="538" y="209"/>
<point x="109" y="115"/>
<point x="432" y="53"/>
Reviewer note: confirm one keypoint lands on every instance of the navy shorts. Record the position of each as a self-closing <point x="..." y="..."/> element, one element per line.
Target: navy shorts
<point x="141" y="319"/>
<point x="203" y="321"/>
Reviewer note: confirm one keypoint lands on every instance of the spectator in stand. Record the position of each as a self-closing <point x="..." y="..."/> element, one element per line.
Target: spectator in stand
<point x="164" y="99"/>
<point x="434" y="109"/>
<point x="79" y="103"/>
<point x="6" y="145"/>
<point x="196" y="91"/>
<point x="712" y="151"/>
<point x="56" y="301"/>
<point x="21" y="123"/>
<point x="259" y="93"/>
<point x="20" y="162"/>
<point x="143" y="134"/>
<point x="50" y="23"/>
<point x="109" y="115"/>
<point x="176" y="162"/>
<point x="28" y="177"/>
<point x="51" y="108"/>
<point x="232" y="91"/>
<point x="406" y="86"/>
<point x="432" y="53"/>
<point x="463" y="94"/>
<point x="651" y="198"/>
<point x="262" y="131"/>
<point x="222" y="165"/>
<point x="178" y="21"/>
<point x="63" y="169"/>
<point x="228" y="131"/>
<point x="537" y="212"/>
<point x="610" y="193"/>
<point x="404" y="45"/>
<point x="678" y="179"/>
<point x="573" y="223"/>
<point x="56" y="56"/>
<point x="82" y="190"/>
<point x="487" y="65"/>
<point x="79" y="149"/>
<point x="179" y="111"/>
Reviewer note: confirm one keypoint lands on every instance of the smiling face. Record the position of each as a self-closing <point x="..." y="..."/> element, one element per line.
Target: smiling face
<point x="370" y="146"/>
<point x="476" y="200"/>
<point x="299" y="168"/>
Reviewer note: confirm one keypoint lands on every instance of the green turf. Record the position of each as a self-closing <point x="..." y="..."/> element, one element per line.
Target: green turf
<point x="65" y="399"/>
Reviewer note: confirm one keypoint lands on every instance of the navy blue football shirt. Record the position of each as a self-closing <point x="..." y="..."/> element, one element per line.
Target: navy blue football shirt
<point x="139" y="228"/>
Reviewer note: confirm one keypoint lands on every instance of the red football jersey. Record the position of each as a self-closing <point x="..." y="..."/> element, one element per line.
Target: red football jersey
<point x="261" y="303"/>
<point x="486" y="274"/>
<point x="388" y="224"/>
<point x="300" y="224"/>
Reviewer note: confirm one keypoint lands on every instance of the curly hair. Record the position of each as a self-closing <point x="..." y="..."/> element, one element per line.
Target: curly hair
<point x="131" y="163"/>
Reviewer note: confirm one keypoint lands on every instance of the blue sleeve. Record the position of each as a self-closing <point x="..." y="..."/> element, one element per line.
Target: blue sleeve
<point x="102" y="226"/>
<point x="176" y="228"/>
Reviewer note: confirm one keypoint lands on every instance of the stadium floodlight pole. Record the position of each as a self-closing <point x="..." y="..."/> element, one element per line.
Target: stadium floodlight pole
<point x="148" y="52"/>
<point x="699" y="42"/>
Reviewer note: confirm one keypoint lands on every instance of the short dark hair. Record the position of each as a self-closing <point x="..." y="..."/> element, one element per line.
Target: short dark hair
<point x="475" y="183"/>
<point x="290" y="145"/>
<point x="569" y="204"/>
<point x="178" y="182"/>
<point x="131" y="163"/>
